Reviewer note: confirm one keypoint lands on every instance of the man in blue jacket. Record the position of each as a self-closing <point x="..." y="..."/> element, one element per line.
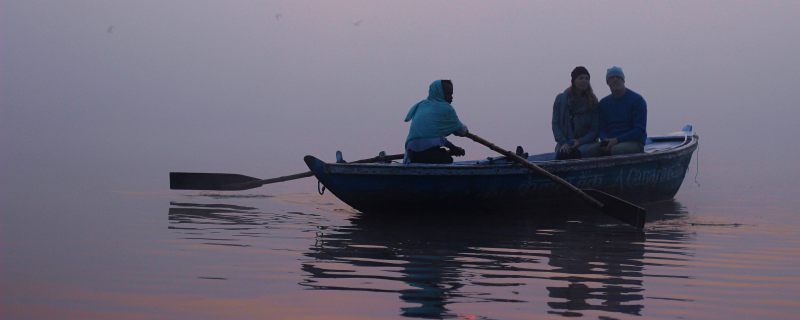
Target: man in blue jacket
<point x="623" y="117"/>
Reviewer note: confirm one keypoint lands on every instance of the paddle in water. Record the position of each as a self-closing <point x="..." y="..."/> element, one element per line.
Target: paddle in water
<point x="608" y="204"/>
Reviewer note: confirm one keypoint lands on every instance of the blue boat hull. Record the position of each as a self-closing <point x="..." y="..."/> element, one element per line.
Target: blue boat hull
<point x="481" y="186"/>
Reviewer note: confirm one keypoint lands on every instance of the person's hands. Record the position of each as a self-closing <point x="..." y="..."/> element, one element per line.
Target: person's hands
<point x="565" y="148"/>
<point x="457" y="151"/>
<point x="608" y="144"/>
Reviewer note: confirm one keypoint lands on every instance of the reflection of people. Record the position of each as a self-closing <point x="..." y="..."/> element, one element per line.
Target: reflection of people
<point x="433" y="265"/>
<point x="575" y="118"/>
<point x="623" y="117"/>
<point x="432" y="120"/>
<point x="420" y="258"/>
<point x="619" y="290"/>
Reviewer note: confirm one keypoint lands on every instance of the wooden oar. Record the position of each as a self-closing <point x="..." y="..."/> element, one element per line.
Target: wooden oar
<point x="608" y="204"/>
<point x="237" y="182"/>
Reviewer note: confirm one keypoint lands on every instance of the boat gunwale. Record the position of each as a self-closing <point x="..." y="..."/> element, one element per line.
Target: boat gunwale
<point x="688" y="145"/>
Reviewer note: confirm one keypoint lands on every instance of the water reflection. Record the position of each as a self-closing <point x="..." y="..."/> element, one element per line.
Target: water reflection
<point x="434" y="262"/>
<point x="236" y="225"/>
<point x="213" y="214"/>
<point x="439" y="265"/>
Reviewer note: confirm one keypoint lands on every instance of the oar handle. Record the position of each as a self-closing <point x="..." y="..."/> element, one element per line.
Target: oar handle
<point x="282" y="179"/>
<point x="535" y="168"/>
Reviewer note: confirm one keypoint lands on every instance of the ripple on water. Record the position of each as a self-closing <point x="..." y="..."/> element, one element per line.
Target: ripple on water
<point x="482" y="265"/>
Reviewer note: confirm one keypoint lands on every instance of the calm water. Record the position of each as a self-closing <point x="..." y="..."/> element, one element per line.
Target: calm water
<point x="304" y="256"/>
<point x="99" y="100"/>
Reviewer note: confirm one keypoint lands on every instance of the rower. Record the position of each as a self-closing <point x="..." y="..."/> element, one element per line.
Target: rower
<point x="432" y="120"/>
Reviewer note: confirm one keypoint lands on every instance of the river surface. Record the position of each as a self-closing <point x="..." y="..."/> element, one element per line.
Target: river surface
<point x="300" y="255"/>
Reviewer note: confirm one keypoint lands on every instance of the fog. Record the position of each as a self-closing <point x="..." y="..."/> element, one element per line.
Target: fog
<point x="118" y="93"/>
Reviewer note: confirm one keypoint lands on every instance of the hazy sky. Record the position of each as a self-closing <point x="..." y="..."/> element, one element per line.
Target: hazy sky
<point x="129" y="90"/>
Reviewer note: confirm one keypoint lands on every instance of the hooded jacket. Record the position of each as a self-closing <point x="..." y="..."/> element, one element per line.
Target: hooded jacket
<point x="433" y="117"/>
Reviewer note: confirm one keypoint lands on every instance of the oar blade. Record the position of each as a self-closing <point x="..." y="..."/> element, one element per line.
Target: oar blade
<point x="620" y="209"/>
<point x="211" y="181"/>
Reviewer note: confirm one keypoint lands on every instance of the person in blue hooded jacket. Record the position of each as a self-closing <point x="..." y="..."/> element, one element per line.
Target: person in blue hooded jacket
<point x="432" y="120"/>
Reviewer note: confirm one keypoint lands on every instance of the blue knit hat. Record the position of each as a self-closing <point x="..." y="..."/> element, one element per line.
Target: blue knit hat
<point x="615" y="71"/>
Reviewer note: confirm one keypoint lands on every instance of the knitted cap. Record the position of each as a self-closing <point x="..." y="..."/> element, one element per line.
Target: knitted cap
<point x="579" y="71"/>
<point x="615" y="71"/>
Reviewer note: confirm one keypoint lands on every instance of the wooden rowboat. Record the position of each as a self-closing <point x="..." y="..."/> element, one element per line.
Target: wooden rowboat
<point x="498" y="184"/>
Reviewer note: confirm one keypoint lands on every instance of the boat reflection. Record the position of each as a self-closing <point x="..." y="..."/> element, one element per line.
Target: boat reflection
<point x="432" y="263"/>
<point x="439" y="266"/>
